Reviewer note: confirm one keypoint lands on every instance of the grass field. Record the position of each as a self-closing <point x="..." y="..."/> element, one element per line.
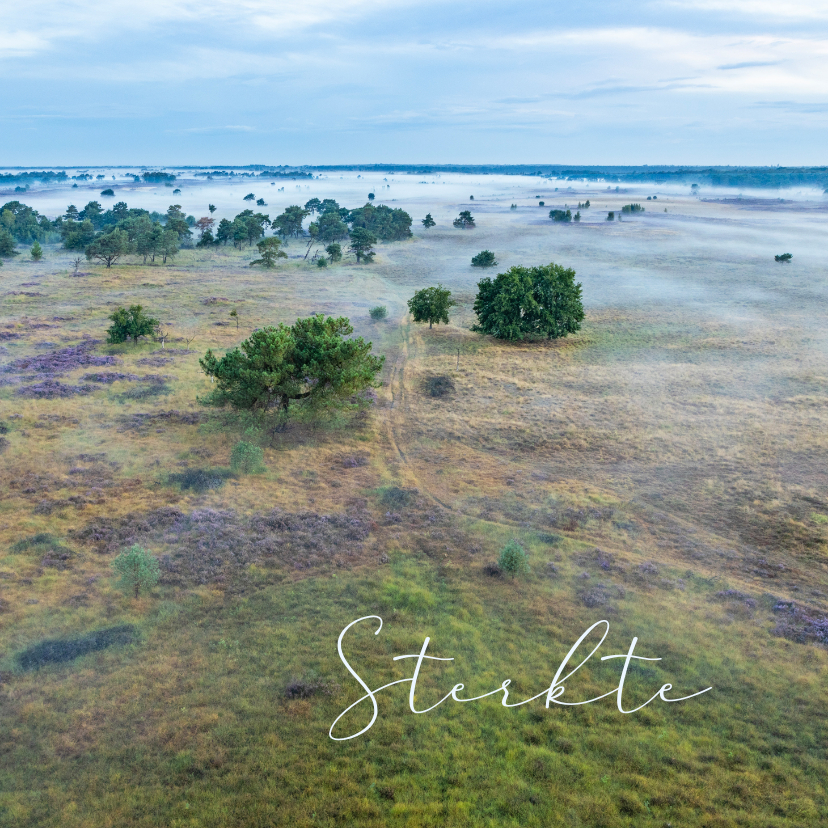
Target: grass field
<point x="665" y="469"/>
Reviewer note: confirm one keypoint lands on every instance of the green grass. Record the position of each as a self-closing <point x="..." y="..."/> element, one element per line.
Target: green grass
<point x="192" y="726"/>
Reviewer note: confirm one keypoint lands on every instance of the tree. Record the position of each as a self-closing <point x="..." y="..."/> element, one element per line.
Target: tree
<point x="361" y="244"/>
<point x="235" y="315"/>
<point x="260" y="202"/>
<point x="71" y="213"/>
<point x="207" y="239"/>
<point x="371" y="196"/>
<point x="485" y="258"/>
<point x="130" y="324"/>
<point x="77" y="235"/>
<point x="6" y="243"/>
<point x="431" y="305"/>
<point x="513" y="559"/>
<point x="334" y="252"/>
<point x="560" y="215"/>
<point x="428" y="221"/>
<point x="386" y="224"/>
<point x="313" y="205"/>
<point x="138" y="570"/>
<point x="93" y="212"/>
<point x="224" y="233"/>
<point x="311" y="360"/>
<point x="328" y="205"/>
<point x="177" y="221"/>
<point x="148" y="241"/>
<point x="269" y="250"/>
<point x="784" y="257"/>
<point x="109" y="247"/>
<point x="108" y="192"/>
<point x="204" y="224"/>
<point x="211" y="208"/>
<point x="37" y="251"/>
<point x="249" y="197"/>
<point x="331" y="227"/>
<point x="168" y="246"/>
<point x="289" y="223"/>
<point x="464" y="220"/>
<point x="577" y="216"/>
<point x="378" y="313"/>
<point x="526" y="302"/>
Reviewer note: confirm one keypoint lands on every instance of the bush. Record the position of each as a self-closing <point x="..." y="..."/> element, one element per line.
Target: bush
<point x="200" y="480"/>
<point x="378" y="313"/>
<point x="108" y="192"/>
<point x="321" y="262"/>
<point x="785" y="257"/>
<point x="513" y="559"/>
<point x="246" y="458"/>
<point x="440" y="386"/>
<point x="37" y="252"/>
<point x="485" y="258"/>
<point x="137" y="568"/>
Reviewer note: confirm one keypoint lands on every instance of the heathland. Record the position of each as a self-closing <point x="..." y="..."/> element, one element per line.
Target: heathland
<point x="665" y="469"/>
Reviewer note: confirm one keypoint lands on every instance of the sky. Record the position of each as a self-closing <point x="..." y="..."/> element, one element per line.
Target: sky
<point x="173" y="82"/>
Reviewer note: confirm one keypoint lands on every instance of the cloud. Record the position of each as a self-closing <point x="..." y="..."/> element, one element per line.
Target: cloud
<point x="749" y="64"/>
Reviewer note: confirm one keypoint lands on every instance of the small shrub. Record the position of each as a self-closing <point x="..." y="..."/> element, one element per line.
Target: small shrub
<point x="513" y="559"/>
<point x="784" y="257"/>
<point x="200" y="480"/>
<point x="108" y="192"/>
<point x="321" y="262"/>
<point x="246" y="458"/>
<point x="395" y="497"/>
<point x="137" y="568"/>
<point x="378" y="313"/>
<point x="440" y="386"/>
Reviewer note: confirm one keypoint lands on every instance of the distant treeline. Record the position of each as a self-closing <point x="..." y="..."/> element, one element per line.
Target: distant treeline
<point x="28" y="177"/>
<point x="272" y="173"/>
<point x="771" y="177"/>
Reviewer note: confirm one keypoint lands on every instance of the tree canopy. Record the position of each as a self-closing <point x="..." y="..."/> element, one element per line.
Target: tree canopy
<point x="269" y="250"/>
<point x="109" y="247"/>
<point x="311" y="360"/>
<point x="428" y="221"/>
<point x="485" y="258"/>
<point x="130" y="324"/>
<point x="464" y="220"/>
<point x="529" y="302"/>
<point x="289" y="223"/>
<point x="431" y="305"/>
<point x="362" y="242"/>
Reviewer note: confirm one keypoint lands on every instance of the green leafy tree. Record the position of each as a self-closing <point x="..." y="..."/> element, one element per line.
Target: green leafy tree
<point x="250" y="197"/>
<point x="313" y="205"/>
<point x="384" y="222"/>
<point x="328" y="205"/>
<point x="177" y="221"/>
<point x="138" y="570"/>
<point x="148" y="241"/>
<point x="334" y="252"/>
<point x="485" y="258"/>
<point x="428" y="221"/>
<point x="312" y="360"/>
<point x="378" y="313"/>
<point x="464" y="220"/>
<point x="71" y="213"/>
<point x="130" y="324"/>
<point x="289" y="223"/>
<point x="513" y="559"/>
<point x="108" y="192"/>
<point x="77" y="235"/>
<point x="526" y="302"/>
<point x="362" y="242"/>
<point x="207" y="239"/>
<point x="37" y="251"/>
<point x="431" y="305"/>
<point x="224" y="233"/>
<point x="321" y="262"/>
<point x="168" y="248"/>
<point x="269" y="250"/>
<point x="211" y="208"/>
<point x="93" y="211"/>
<point x="6" y="243"/>
<point x="560" y="215"/>
<point x="109" y="247"/>
<point x="331" y="227"/>
<point x="371" y="196"/>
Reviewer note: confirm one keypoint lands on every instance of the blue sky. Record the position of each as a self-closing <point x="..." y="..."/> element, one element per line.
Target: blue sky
<point x="358" y="81"/>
